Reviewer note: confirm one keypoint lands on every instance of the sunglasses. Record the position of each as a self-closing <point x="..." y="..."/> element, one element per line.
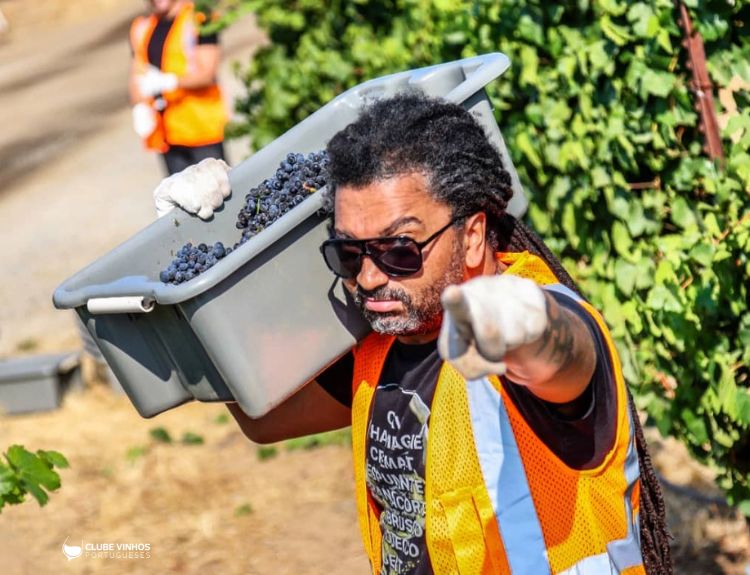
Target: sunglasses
<point x="396" y="257"/>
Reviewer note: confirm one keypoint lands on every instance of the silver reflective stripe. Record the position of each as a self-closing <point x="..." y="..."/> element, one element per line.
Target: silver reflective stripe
<point x="560" y="288"/>
<point x="595" y="565"/>
<point x="505" y="479"/>
<point x="626" y="552"/>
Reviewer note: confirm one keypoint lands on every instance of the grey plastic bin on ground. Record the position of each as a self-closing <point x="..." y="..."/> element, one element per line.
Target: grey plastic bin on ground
<point x="270" y="316"/>
<point x="37" y="383"/>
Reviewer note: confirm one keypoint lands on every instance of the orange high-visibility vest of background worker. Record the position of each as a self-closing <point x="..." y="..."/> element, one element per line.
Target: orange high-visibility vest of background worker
<point x="188" y="113"/>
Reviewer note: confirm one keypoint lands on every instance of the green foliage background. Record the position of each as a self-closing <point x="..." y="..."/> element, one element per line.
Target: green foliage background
<point x="599" y="120"/>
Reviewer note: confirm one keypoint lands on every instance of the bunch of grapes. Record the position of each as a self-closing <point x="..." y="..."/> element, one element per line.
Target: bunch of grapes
<point x="192" y="260"/>
<point x="296" y="178"/>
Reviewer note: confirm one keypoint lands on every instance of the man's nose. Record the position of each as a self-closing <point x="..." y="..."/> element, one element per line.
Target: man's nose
<point x="370" y="277"/>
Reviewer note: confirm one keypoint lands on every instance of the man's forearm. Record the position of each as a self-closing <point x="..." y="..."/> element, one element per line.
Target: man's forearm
<point x="559" y="364"/>
<point x="309" y="410"/>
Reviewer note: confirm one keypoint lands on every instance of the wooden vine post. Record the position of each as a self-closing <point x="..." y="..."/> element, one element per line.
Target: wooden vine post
<point x="701" y="86"/>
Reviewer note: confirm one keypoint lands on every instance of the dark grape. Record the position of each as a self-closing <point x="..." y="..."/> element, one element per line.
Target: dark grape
<point x="296" y="177"/>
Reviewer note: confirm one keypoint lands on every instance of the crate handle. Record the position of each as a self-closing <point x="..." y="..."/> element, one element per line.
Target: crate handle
<point x="125" y="304"/>
<point x="485" y="69"/>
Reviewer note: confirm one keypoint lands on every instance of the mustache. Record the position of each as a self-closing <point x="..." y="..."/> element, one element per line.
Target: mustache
<point x="381" y="293"/>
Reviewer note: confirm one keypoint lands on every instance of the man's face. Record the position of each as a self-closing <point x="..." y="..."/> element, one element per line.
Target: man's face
<point x="400" y="206"/>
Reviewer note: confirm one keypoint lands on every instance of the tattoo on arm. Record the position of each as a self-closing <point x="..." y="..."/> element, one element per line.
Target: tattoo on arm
<point x="557" y="343"/>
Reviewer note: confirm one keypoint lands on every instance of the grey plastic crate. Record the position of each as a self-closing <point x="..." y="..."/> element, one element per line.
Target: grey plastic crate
<point x="36" y="383"/>
<point x="270" y="316"/>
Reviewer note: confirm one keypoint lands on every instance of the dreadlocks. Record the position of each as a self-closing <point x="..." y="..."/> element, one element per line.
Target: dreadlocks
<point x="413" y="133"/>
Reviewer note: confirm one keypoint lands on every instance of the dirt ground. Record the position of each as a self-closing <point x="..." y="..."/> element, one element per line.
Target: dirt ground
<point x="74" y="182"/>
<point x="211" y="508"/>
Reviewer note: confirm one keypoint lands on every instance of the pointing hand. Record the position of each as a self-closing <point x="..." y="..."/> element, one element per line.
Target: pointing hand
<point x="485" y="318"/>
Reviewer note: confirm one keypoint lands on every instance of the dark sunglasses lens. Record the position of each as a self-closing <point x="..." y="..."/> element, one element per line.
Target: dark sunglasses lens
<point x="397" y="257"/>
<point x="344" y="259"/>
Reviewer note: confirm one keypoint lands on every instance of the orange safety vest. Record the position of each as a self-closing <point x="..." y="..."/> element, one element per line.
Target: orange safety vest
<point x="191" y="117"/>
<point x="498" y="500"/>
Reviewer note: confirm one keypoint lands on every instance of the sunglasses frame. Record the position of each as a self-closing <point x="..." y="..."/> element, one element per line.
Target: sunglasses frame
<point x="366" y="251"/>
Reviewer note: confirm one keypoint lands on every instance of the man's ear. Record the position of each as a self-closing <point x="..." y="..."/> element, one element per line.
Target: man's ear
<point x="475" y="240"/>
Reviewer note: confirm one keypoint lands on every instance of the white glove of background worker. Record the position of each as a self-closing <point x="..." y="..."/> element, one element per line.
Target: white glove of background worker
<point x="198" y="189"/>
<point x="144" y="120"/>
<point x="485" y="318"/>
<point x="155" y="82"/>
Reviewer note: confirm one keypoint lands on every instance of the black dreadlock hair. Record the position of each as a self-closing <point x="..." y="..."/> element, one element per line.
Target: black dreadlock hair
<point x="411" y="133"/>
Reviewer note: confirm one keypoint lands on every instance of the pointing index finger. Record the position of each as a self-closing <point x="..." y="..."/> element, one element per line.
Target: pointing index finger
<point x="454" y="302"/>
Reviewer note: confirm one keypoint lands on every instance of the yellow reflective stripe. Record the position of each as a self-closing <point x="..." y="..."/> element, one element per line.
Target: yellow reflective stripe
<point x="527" y="265"/>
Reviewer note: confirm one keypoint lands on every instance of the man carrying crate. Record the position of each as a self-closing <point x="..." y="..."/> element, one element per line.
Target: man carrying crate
<point x="491" y="427"/>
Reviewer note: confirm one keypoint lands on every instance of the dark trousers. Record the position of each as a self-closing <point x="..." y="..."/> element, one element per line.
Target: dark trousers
<point x="177" y="158"/>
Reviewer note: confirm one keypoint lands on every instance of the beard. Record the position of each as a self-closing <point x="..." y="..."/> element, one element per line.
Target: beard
<point x="423" y="311"/>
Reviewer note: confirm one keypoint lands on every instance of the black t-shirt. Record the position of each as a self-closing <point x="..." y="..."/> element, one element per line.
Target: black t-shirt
<point x="159" y="36"/>
<point x="579" y="433"/>
<point x="396" y="440"/>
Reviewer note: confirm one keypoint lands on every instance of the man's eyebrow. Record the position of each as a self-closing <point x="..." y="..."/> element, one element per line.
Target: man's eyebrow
<point x="400" y="223"/>
<point x="389" y="231"/>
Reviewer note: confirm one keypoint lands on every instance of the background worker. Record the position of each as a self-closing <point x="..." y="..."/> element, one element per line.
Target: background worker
<point x="177" y="104"/>
<point x="492" y="431"/>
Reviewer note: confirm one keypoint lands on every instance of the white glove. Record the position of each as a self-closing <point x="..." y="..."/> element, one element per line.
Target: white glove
<point x="485" y="318"/>
<point x="198" y="189"/>
<point x="155" y="82"/>
<point x="144" y="120"/>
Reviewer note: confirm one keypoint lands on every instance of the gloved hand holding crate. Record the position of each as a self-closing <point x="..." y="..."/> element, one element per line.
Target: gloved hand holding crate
<point x="198" y="189"/>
